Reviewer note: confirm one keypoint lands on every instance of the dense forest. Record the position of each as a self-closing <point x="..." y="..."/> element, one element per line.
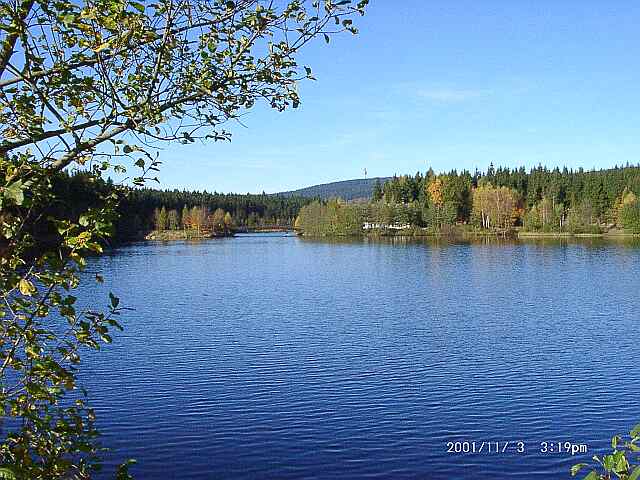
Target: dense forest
<point x="540" y="200"/>
<point x="145" y="209"/>
<point x="142" y="210"/>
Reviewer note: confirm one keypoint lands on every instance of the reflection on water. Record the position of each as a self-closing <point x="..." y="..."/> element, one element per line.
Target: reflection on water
<point x="444" y="241"/>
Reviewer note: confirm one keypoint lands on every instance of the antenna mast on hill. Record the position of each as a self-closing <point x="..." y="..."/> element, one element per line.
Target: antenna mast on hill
<point x="365" y="173"/>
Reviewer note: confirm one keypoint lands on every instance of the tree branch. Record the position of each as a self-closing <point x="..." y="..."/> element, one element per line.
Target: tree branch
<point x="93" y="60"/>
<point x="8" y="146"/>
<point x="130" y="124"/>
<point x="73" y="154"/>
<point x="9" y="44"/>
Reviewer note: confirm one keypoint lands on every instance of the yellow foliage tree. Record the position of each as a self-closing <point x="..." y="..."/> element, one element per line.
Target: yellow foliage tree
<point x="495" y="207"/>
<point x="228" y="222"/>
<point x="435" y="190"/>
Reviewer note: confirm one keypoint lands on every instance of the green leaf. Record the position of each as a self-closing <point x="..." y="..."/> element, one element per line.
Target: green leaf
<point x="592" y="476"/>
<point x="123" y="470"/>
<point x="576" y="468"/>
<point x="608" y="462"/>
<point x="635" y="432"/>
<point x="7" y="474"/>
<point x="14" y="191"/>
<point x="621" y="465"/>
<point x="115" y="301"/>
<point x="68" y="19"/>
<point x="138" y="6"/>
<point x="115" y="324"/>
<point x="635" y="474"/>
<point x="94" y="246"/>
<point x="106" y="338"/>
<point x="614" y="441"/>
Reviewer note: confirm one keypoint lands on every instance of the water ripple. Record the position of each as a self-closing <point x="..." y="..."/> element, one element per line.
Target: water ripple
<point x="272" y="357"/>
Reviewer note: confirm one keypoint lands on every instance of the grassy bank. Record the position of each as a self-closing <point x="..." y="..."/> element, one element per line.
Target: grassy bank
<point x="468" y="231"/>
<point x="459" y="231"/>
<point x="170" y="235"/>
<point x="263" y="229"/>
<point x="616" y="234"/>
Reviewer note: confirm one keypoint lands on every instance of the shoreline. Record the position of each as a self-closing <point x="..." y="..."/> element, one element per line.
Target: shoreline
<point x="576" y="235"/>
<point x="460" y="233"/>
<point x="175" y="235"/>
<point x="264" y="230"/>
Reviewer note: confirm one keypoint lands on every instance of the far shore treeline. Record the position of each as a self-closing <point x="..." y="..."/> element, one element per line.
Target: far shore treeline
<point x="499" y="200"/>
<point x="144" y="210"/>
<point x="502" y="199"/>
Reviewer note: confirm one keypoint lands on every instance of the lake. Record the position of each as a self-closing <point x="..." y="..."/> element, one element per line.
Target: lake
<point x="269" y="356"/>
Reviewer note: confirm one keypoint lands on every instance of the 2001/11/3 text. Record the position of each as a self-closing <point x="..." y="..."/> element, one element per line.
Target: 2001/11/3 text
<point x="520" y="447"/>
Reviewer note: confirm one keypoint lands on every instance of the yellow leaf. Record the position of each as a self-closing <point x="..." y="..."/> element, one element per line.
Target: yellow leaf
<point x="104" y="46"/>
<point x="26" y="287"/>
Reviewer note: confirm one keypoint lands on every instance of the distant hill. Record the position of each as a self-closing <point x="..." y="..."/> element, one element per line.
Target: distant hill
<point x="346" y="189"/>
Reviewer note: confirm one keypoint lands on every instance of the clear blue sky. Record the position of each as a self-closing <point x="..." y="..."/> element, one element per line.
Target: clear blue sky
<point x="447" y="84"/>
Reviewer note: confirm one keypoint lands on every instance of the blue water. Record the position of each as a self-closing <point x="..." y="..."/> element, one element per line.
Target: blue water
<point x="265" y="356"/>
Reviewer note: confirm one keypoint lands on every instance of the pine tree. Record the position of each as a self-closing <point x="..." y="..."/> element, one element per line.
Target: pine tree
<point x="377" y="191"/>
<point x="173" y="222"/>
<point x="185" y="218"/>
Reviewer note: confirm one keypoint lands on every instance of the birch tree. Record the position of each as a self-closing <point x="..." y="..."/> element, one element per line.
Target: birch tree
<point x="97" y="85"/>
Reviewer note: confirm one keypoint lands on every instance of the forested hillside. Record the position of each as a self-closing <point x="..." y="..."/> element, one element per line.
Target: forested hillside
<point x="361" y="188"/>
<point x="541" y="200"/>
